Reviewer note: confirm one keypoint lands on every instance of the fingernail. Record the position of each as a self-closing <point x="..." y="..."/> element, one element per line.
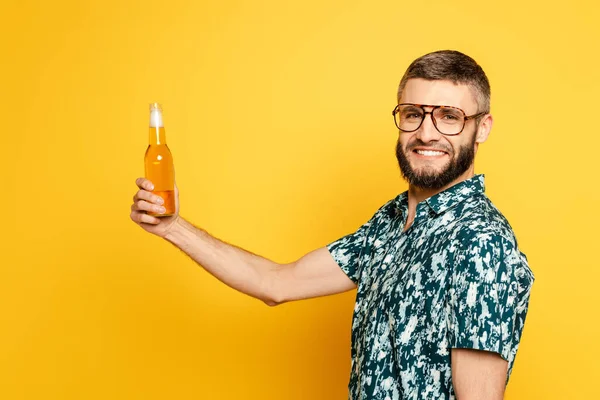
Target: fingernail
<point x="160" y="200"/>
<point x="151" y="187"/>
<point x="162" y="210"/>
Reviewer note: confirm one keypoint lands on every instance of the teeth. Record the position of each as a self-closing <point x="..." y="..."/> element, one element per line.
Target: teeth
<point x="430" y="152"/>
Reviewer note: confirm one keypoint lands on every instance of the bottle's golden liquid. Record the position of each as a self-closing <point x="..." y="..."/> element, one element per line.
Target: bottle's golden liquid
<point x="158" y="163"/>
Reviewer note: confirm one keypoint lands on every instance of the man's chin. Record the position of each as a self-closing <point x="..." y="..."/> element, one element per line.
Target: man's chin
<point x="425" y="177"/>
<point x="428" y="170"/>
<point x="420" y="178"/>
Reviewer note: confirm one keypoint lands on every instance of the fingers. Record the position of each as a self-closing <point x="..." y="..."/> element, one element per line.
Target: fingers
<point x="144" y="183"/>
<point x="144" y="201"/>
<point x="142" y="205"/>
<point x="141" y="217"/>
<point x="145" y="192"/>
<point x="147" y="196"/>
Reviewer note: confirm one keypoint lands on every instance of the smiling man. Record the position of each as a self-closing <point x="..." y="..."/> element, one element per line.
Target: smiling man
<point x="443" y="288"/>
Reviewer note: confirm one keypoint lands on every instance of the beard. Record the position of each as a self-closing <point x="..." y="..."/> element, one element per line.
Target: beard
<point x="429" y="178"/>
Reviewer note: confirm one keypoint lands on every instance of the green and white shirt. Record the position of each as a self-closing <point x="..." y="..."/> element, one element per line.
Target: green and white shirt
<point x="455" y="279"/>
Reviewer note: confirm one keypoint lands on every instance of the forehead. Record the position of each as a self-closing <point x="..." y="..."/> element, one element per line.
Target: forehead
<point x="439" y="92"/>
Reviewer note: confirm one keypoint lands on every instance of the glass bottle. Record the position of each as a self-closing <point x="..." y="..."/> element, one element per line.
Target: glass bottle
<point x="158" y="162"/>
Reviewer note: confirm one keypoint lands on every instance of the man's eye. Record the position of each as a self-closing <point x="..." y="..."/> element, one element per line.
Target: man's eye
<point x="450" y="117"/>
<point x="413" y="116"/>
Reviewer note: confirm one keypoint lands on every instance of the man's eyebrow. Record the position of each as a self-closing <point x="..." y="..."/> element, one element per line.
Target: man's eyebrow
<point x="451" y="108"/>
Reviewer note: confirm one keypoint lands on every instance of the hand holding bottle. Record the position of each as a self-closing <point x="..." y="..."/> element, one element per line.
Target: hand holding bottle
<point x="145" y="202"/>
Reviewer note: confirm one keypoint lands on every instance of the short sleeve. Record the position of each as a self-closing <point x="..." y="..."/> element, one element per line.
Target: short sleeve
<point x="489" y="296"/>
<point x="349" y="251"/>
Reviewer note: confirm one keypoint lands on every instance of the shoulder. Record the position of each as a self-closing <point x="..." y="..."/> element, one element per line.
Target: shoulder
<point x="480" y="222"/>
<point x="485" y="243"/>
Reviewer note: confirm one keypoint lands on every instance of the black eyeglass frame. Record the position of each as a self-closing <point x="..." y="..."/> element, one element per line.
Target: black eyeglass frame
<point x="421" y="106"/>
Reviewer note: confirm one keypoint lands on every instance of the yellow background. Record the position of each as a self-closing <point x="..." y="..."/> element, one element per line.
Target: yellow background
<point x="278" y="114"/>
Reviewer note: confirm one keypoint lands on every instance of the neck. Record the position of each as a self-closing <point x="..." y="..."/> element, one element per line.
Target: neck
<point x="418" y="194"/>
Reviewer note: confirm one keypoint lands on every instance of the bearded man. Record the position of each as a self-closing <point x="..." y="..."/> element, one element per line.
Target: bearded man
<point x="442" y="287"/>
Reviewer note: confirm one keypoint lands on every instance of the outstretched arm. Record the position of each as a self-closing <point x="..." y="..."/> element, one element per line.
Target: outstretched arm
<point x="316" y="274"/>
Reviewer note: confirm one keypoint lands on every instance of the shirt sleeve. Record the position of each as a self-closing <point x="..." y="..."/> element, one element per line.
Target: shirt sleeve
<point x="349" y="251"/>
<point x="489" y="297"/>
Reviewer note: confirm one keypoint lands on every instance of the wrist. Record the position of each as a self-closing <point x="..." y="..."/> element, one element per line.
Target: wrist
<point x="182" y="232"/>
<point x="175" y="230"/>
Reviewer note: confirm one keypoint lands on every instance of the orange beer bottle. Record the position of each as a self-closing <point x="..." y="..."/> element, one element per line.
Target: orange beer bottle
<point x="158" y="162"/>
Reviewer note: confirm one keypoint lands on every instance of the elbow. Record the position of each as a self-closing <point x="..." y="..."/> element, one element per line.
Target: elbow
<point x="271" y="303"/>
<point x="272" y="298"/>
<point x="272" y="295"/>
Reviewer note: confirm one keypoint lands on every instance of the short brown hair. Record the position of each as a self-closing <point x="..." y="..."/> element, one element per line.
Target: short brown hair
<point x="453" y="66"/>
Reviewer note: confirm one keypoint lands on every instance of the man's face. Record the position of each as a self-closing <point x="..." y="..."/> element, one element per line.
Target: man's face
<point x="453" y="155"/>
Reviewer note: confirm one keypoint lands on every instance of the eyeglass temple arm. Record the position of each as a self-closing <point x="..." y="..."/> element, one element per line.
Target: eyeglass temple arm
<point x="467" y="117"/>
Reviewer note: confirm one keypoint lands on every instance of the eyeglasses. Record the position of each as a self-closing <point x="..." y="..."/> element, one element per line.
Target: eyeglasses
<point x="447" y="120"/>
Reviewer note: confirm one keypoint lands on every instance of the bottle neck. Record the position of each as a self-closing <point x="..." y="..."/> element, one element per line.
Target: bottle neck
<point x="157" y="129"/>
<point x="157" y="136"/>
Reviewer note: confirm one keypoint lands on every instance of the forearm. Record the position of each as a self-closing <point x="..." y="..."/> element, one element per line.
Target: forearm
<point x="244" y="271"/>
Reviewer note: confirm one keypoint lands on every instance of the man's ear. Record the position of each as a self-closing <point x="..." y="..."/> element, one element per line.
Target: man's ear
<point x="485" y="126"/>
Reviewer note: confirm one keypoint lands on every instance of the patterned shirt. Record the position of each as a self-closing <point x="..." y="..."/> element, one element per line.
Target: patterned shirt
<point x="455" y="279"/>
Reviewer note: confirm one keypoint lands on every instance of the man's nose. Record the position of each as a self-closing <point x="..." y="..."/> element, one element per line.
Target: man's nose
<point x="428" y="132"/>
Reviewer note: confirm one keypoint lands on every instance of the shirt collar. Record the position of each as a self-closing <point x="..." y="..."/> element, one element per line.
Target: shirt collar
<point x="442" y="201"/>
